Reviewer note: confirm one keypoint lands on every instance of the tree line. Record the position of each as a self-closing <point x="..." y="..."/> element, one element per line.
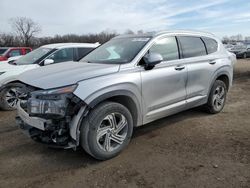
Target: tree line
<point x="8" y="40"/>
<point x="25" y="32"/>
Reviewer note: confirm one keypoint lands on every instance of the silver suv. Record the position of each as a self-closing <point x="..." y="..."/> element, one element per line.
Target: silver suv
<point x="127" y="82"/>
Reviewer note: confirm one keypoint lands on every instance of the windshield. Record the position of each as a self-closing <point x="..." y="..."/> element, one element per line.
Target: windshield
<point x="120" y="50"/>
<point x="2" y="51"/>
<point x="33" y="56"/>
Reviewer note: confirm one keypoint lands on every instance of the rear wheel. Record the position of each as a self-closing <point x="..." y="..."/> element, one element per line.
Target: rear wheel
<point x="217" y="97"/>
<point x="10" y="95"/>
<point x="244" y="55"/>
<point x="107" y="130"/>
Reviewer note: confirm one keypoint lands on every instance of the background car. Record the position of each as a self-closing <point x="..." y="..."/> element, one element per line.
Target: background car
<point x="241" y="51"/>
<point x="45" y="55"/>
<point x="8" y="52"/>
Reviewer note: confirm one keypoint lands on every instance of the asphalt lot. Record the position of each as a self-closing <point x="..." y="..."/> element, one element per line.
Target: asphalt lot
<point x="190" y="149"/>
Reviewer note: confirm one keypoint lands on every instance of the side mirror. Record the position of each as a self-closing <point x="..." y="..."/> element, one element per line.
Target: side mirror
<point x="48" y="61"/>
<point x="151" y="59"/>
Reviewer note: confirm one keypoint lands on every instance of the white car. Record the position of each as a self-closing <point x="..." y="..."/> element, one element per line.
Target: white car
<point x="45" y="55"/>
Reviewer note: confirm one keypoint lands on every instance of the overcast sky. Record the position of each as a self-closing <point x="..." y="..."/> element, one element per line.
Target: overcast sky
<point x="222" y="17"/>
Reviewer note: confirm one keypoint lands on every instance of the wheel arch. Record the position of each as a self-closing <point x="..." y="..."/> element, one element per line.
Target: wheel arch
<point x="124" y="97"/>
<point x="14" y="82"/>
<point x="225" y="79"/>
<point x="224" y="74"/>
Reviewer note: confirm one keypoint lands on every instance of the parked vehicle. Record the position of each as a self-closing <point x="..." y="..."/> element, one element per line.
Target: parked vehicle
<point x="8" y="52"/>
<point x="127" y="82"/>
<point x="241" y="51"/>
<point x="229" y="46"/>
<point x="45" y="55"/>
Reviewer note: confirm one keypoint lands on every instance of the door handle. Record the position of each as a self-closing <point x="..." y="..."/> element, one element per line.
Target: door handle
<point x="212" y="62"/>
<point x="179" y="67"/>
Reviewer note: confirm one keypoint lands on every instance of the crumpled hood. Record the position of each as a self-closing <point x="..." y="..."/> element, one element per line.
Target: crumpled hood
<point x="63" y="74"/>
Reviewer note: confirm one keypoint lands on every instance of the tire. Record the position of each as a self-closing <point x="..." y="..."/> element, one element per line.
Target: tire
<point x="10" y="95"/>
<point x="103" y="139"/>
<point x="217" y="97"/>
<point x="244" y="56"/>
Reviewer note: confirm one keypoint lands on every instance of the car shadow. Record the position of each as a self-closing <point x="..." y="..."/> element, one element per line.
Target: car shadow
<point x="169" y="121"/>
<point x="56" y="160"/>
<point x="80" y="157"/>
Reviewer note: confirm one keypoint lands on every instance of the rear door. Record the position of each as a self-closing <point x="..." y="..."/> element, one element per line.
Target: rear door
<point x="201" y="65"/>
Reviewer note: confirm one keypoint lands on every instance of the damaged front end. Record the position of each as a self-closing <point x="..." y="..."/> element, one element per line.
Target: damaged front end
<point x="48" y="115"/>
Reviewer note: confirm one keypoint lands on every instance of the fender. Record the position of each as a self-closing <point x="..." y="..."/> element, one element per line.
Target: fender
<point x="221" y="71"/>
<point x="76" y="122"/>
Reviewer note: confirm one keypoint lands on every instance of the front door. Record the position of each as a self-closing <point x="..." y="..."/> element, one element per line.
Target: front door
<point x="163" y="87"/>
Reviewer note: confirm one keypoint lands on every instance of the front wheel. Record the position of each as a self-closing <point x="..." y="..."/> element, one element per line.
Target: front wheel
<point x="107" y="130"/>
<point x="217" y="97"/>
<point x="10" y="95"/>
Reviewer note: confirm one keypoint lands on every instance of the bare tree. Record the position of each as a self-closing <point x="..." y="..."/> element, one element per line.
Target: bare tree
<point x="25" y="28"/>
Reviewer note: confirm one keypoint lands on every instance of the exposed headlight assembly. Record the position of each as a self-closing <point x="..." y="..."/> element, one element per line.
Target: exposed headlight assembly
<point x="50" y="103"/>
<point x="62" y="90"/>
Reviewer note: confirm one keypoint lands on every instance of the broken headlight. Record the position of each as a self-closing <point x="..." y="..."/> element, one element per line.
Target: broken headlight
<point x="50" y="103"/>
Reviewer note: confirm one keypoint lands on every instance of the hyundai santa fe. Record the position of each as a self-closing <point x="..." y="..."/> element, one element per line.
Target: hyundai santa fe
<point x="127" y="82"/>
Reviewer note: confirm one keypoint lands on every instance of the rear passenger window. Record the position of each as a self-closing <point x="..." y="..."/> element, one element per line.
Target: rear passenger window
<point x="167" y="47"/>
<point x="62" y="55"/>
<point x="192" y="46"/>
<point x="83" y="52"/>
<point x="211" y="45"/>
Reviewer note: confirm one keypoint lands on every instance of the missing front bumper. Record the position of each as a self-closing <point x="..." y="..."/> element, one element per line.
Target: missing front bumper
<point x="44" y="131"/>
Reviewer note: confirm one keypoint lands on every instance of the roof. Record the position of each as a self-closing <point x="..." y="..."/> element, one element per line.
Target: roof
<point x="66" y="45"/>
<point x="155" y="34"/>
<point x="13" y="47"/>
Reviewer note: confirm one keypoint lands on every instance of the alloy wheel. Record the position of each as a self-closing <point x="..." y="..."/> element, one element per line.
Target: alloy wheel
<point x="13" y="95"/>
<point x="112" y="132"/>
<point x="219" y="98"/>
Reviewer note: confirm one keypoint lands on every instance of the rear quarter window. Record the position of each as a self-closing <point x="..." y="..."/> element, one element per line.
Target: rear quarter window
<point x="192" y="46"/>
<point x="211" y="44"/>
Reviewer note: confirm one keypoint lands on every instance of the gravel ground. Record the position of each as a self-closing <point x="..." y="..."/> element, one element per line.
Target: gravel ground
<point x="190" y="149"/>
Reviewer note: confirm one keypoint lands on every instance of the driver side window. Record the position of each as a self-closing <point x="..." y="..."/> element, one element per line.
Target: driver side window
<point x="62" y="55"/>
<point x="167" y="47"/>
